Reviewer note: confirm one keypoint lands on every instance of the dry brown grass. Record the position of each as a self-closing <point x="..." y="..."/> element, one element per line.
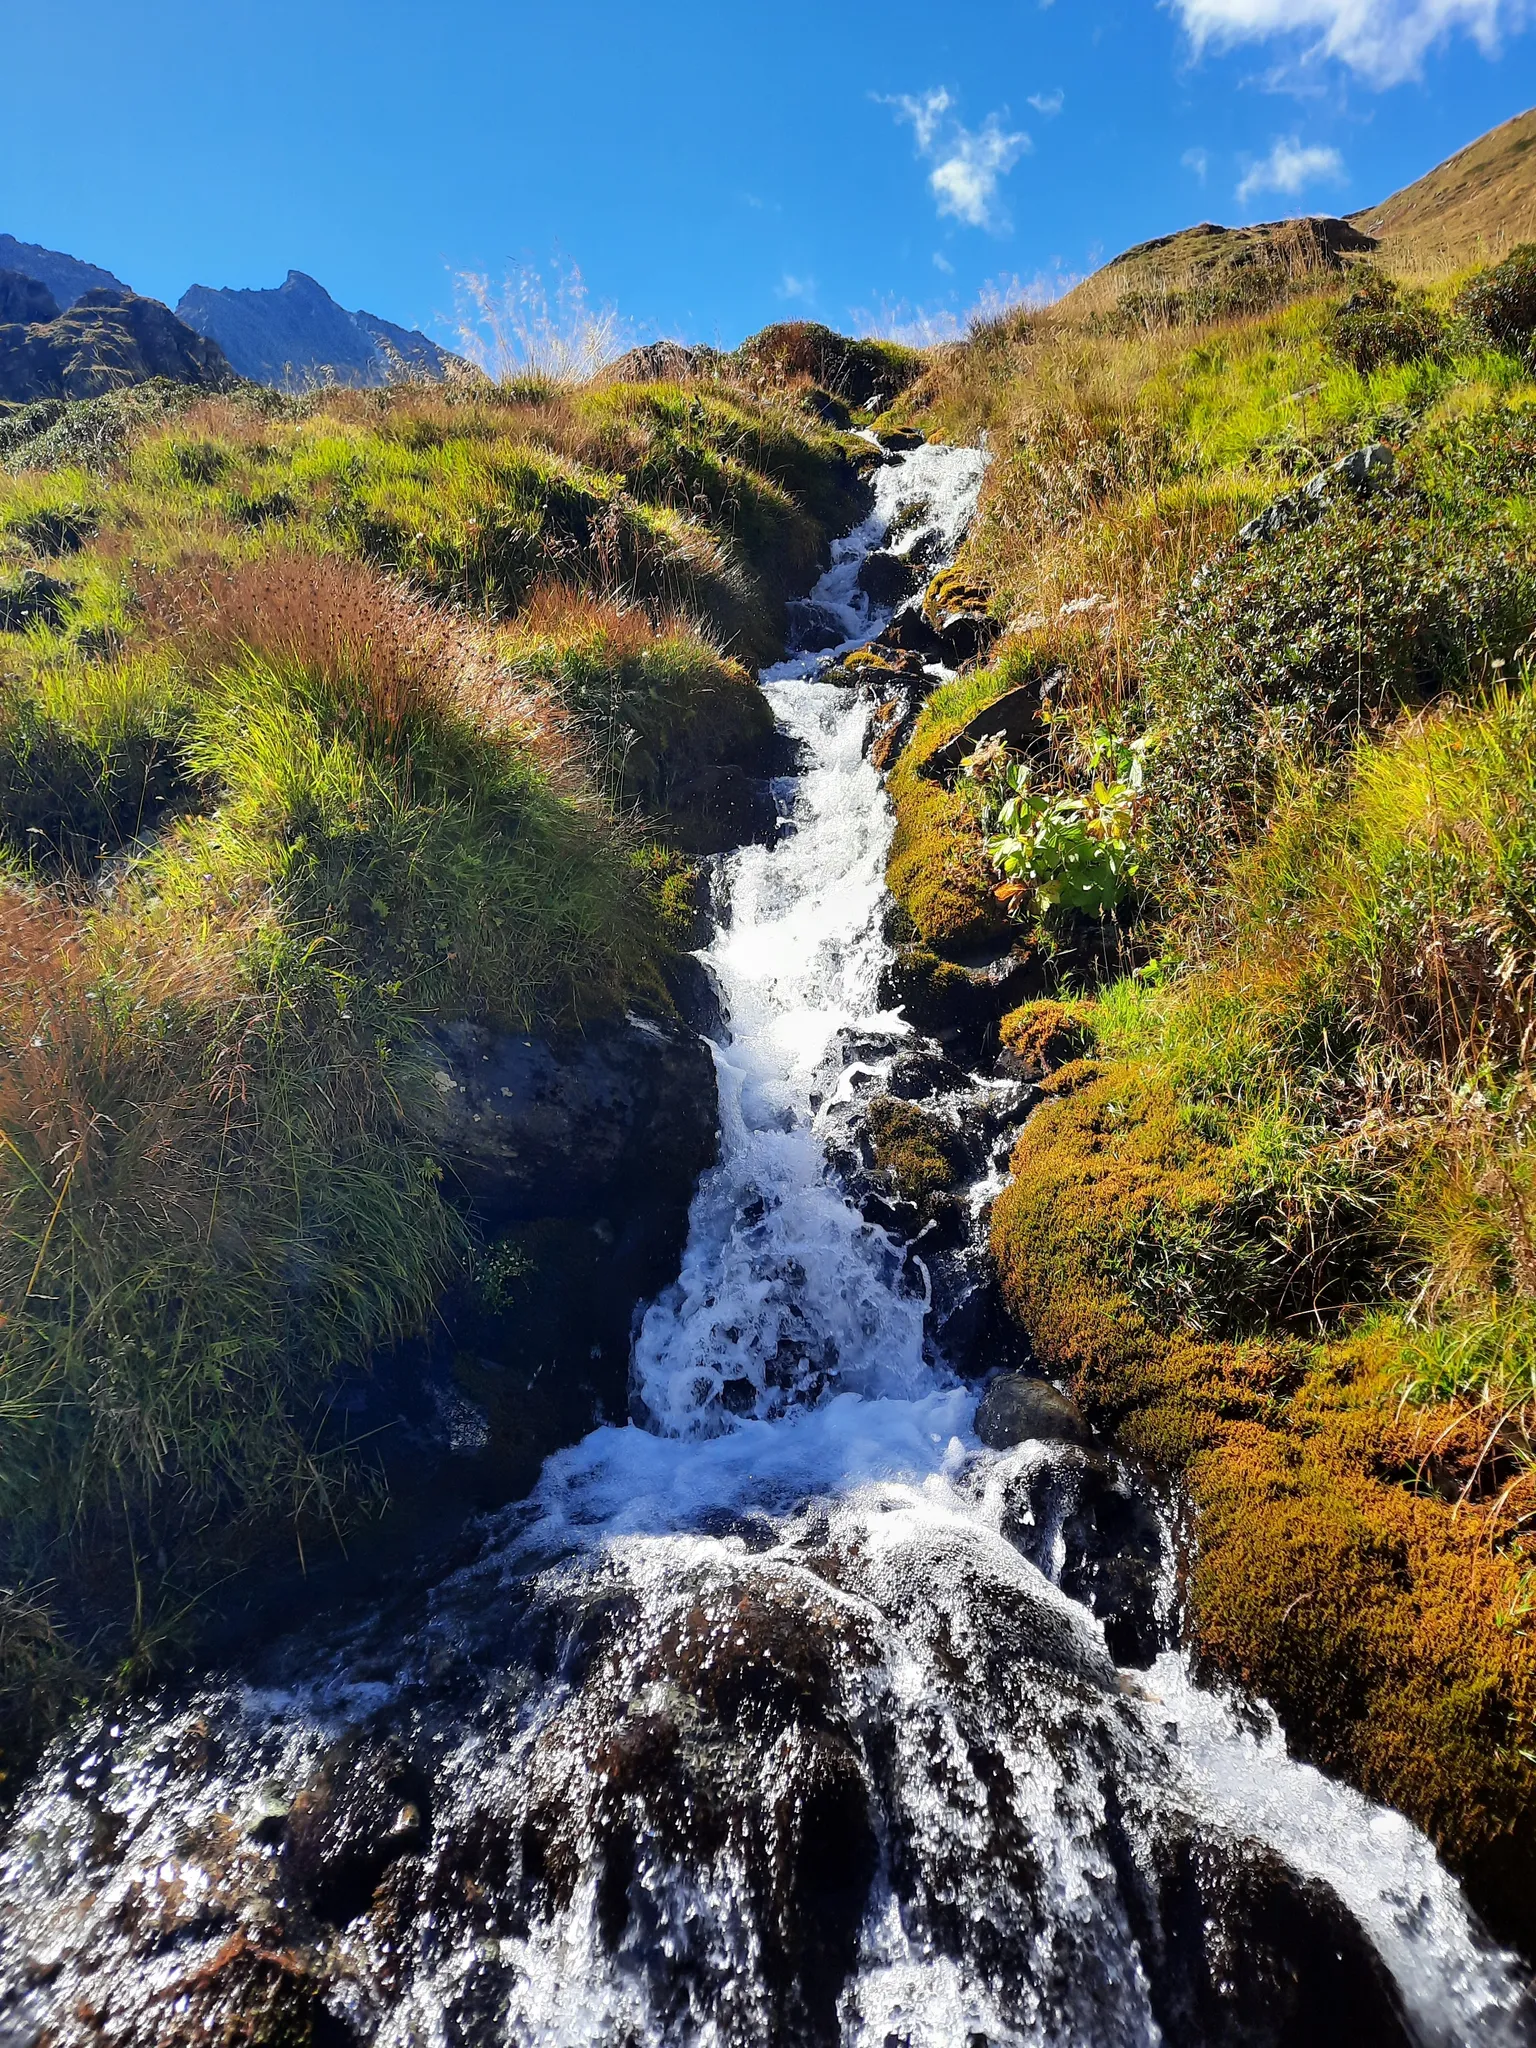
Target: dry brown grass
<point x="393" y="658"/>
<point x="1470" y="210"/>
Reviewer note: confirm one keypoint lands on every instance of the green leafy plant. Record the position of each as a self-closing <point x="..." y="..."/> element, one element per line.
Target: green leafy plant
<point x="1053" y="849"/>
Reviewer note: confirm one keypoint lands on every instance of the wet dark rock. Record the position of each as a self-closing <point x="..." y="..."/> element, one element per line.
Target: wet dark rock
<point x="717" y="807"/>
<point x="968" y="1322"/>
<point x="33" y="599"/>
<point x="696" y="993"/>
<point x="887" y="579"/>
<point x="366" y="1806"/>
<point x="911" y="631"/>
<point x="1245" y="1952"/>
<point x="924" y="1071"/>
<point x="1014" y="718"/>
<point x="901" y="440"/>
<point x="538" y="1127"/>
<point x="1017" y="1409"/>
<point x="958" y="1006"/>
<point x="1077" y="1518"/>
<point x="813" y="627"/>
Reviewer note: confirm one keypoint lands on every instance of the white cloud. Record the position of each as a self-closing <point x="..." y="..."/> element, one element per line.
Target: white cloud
<point x="792" y="287"/>
<point x="1048" y="103"/>
<point x="942" y="262"/>
<point x="925" y="114"/>
<point x="1290" y="167"/>
<point x="1198" y="161"/>
<point x="965" y="181"/>
<point x="969" y="163"/>
<point x="1385" y="41"/>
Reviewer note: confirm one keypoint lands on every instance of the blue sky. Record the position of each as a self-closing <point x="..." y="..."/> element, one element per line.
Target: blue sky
<point x="712" y="167"/>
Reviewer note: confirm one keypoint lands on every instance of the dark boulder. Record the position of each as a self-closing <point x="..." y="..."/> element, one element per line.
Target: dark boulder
<point x="959" y="1006"/>
<point x="887" y="579"/>
<point x="1244" y="1952"/>
<point x="1014" y="718"/>
<point x="1018" y="1409"/>
<point x="910" y="630"/>
<point x="712" y="808"/>
<point x="534" y="1127"/>
<point x="814" y="627"/>
<point x="1074" y="1515"/>
<point x="900" y="440"/>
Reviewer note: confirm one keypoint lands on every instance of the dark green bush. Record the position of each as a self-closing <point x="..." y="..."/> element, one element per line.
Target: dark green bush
<point x="1500" y="304"/>
<point x="1380" y="324"/>
<point x="1284" y="652"/>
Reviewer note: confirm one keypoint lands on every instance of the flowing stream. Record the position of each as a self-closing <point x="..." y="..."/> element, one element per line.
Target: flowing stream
<point x="782" y="1714"/>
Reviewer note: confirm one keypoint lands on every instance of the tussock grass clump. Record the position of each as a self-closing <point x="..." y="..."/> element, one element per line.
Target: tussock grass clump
<point x="657" y="702"/>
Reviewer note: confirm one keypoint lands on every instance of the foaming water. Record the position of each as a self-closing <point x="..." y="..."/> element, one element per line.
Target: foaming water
<point x="773" y="1716"/>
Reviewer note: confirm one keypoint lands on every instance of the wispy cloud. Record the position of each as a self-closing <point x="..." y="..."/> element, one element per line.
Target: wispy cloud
<point x="925" y="326"/>
<point x="1291" y="167"/>
<point x="925" y="113"/>
<point x="968" y="163"/>
<point x="1383" y="41"/>
<point x="1048" y="103"/>
<point x="1198" y="161"/>
<point x="792" y="287"/>
<point x="942" y="262"/>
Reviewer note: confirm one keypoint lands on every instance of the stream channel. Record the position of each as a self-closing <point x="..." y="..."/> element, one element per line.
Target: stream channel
<point x="787" y="1713"/>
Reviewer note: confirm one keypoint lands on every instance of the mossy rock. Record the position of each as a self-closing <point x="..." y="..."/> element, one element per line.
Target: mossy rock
<point x="954" y="593"/>
<point x="936" y="869"/>
<point x="915" y="1149"/>
<point x="1044" y="1034"/>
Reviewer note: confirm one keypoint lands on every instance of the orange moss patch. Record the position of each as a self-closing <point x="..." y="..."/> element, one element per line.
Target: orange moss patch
<point x="1332" y="1577"/>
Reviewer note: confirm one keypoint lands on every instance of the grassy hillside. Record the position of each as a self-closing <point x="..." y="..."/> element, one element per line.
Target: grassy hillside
<point x="1473" y="208"/>
<point x="1271" y="856"/>
<point x="322" y="721"/>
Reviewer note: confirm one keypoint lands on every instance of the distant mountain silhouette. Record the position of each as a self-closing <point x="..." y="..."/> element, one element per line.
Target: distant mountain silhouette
<point x="65" y="276"/>
<point x="296" y="335"/>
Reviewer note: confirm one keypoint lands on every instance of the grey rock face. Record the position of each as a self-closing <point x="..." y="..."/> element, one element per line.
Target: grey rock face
<point x="25" y="301"/>
<point x="1359" y="473"/>
<point x="296" y="335"/>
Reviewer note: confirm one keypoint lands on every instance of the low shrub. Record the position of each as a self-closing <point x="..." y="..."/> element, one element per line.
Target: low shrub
<point x="1500" y="304"/>
<point x="1286" y="651"/>
<point x="1380" y="323"/>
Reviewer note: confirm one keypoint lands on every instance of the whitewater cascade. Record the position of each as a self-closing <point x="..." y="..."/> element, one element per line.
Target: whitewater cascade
<point x="767" y="1719"/>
